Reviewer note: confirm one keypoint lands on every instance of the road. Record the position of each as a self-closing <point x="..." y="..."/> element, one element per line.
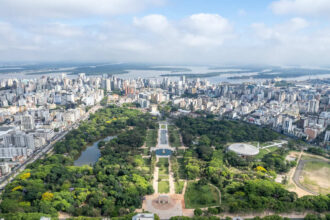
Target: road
<point x="42" y="151"/>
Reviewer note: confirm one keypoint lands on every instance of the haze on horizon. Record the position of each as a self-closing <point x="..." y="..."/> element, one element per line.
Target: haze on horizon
<point x="212" y="32"/>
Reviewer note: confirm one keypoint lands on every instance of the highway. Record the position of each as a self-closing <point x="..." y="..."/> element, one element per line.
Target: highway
<point x="42" y="151"/>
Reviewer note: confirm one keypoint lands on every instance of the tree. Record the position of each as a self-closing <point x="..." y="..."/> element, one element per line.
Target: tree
<point x="47" y="196"/>
<point x="198" y="212"/>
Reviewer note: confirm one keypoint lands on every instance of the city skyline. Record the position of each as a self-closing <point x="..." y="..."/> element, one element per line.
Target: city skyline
<point x="272" y="32"/>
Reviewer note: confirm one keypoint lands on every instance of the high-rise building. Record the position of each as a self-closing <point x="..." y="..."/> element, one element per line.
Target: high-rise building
<point x="28" y="122"/>
<point x="313" y="106"/>
<point x="327" y="136"/>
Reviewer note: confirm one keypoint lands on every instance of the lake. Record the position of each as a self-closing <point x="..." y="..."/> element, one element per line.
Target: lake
<point x="91" y="154"/>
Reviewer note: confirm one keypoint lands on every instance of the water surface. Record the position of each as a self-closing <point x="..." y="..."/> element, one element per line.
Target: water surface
<point x="91" y="154"/>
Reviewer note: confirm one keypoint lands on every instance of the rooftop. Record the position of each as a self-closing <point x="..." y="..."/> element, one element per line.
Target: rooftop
<point x="244" y="149"/>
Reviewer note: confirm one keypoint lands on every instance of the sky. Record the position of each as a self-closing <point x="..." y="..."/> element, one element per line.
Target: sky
<point x="169" y="32"/>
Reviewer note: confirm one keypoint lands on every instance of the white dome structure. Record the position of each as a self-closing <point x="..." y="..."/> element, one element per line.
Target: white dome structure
<point x="244" y="149"/>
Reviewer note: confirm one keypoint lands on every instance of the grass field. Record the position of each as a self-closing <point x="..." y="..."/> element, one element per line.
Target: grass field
<point x="151" y="139"/>
<point x="316" y="176"/>
<point x="146" y="165"/>
<point x="163" y="126"/>
<point x="263" y="152"/>
<point x="197" y="196"/>
<point x="163" y="187"/>
<point x="174" y="136"/>
<point x="163" y="168"/>
<point x="178" y="187"/>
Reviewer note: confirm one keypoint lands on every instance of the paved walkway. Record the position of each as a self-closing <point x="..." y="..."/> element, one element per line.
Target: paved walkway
<point x="275" y="145"/>
<point x="164" y="211"/>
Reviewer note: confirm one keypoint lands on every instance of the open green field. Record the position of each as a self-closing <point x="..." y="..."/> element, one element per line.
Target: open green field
<point x="179" y="187"/>
<point x="200" y="196"/>
<point x="145" y="168"/>
<point x="263" y="152"/>
<point x="163" y="187"/>
<point x="163" y="166"/>
<point x="174" y="136"/>
<point x="151" y="139"/>
<point x="316" y="176"/>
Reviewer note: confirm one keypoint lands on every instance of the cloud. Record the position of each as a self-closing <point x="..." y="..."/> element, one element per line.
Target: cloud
<point x="291" y="43"/>
<point x="197" y="30"/>
<point x="195" y="39"/>
<point x="155" y="23"/>
<point x="57" y="30"/>
<point x="30" y="9"/>
<point x="302" y="7"/>
<point x="280" y="32"/>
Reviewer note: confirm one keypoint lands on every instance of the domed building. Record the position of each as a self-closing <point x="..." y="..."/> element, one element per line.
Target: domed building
<point x="245" y="150"/>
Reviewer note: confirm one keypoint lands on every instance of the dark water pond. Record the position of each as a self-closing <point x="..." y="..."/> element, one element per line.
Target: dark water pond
<point x="91" y="154"/>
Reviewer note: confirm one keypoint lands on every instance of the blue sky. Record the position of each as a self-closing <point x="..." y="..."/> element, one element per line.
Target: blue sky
<point x="212" y="32"/>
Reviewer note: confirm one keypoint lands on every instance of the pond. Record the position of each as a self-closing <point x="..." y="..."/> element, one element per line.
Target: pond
<point x="91" y="154"/>
<point x="163" y="152"/>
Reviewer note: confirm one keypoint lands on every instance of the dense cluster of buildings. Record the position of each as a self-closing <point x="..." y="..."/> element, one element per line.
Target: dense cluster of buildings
<point x="33" y="111"/>
<point x="300" y="110"/>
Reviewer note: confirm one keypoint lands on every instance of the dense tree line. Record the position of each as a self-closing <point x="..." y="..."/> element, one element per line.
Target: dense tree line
<point x="114" y="186"/>
<point x="252" y="188"/>
<point x="260" y="195"/>
<point x="222" y="131"/>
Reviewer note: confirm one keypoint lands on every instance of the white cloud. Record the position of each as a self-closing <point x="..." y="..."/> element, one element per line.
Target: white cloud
<point x="155" y="23"/>
<point x="195" y="39"/>
<point x="197" y="30"/>
<point x="280" y="32"/>
<point x="291" y="43"/>
<point x="208" y="24"/>
<point x="57" y="30"/>
<point x="206" y="30"/>
<point x="30" y="9"/>
<point x="302" y="7"/>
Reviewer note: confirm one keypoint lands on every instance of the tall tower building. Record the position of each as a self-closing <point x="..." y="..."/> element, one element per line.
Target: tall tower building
<point x="28" y="122"/>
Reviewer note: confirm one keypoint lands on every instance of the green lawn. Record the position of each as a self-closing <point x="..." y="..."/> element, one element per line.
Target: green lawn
<point x="163" y="187"/>
<point x="151" y="139"/>
<point x="263" y="152"/>
<point x="163" y="176"/>
<point x="174" y="136"/>
<point x="197" y="196"/>
<point x="163" y="166"/>
<point x="316" y="165"/>
<point x="178" y="187"/>
<point x="316" y="176"/>
<point x="145" y="168"/>
<point x="163" y="126"/>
